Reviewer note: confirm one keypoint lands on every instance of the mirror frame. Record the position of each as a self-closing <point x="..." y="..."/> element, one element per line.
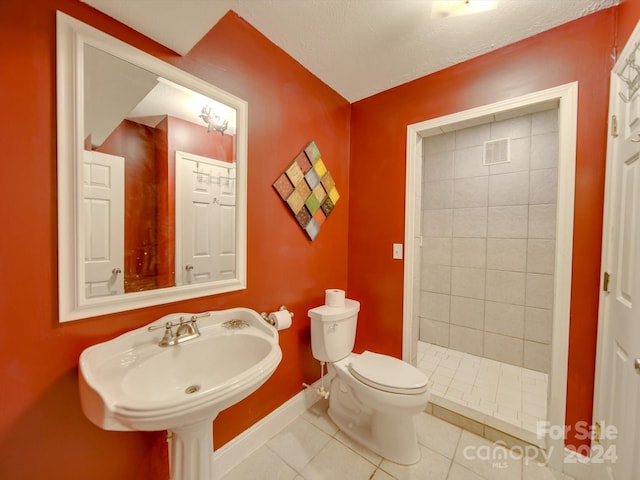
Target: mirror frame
<point x="71" y="36"/>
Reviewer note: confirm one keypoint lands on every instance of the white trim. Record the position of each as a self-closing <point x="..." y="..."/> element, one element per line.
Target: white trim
<point x="566" y="97"/>
<point x="234" y="452"/>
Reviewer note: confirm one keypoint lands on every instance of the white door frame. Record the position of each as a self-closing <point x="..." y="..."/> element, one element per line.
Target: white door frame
<point x="565" y="97"/>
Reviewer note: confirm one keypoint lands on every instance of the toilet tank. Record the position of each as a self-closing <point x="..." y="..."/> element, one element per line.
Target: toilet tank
<point x="333" y="330"/>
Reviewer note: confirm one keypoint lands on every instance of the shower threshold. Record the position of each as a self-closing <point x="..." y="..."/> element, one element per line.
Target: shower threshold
<point x="507" y="398"/>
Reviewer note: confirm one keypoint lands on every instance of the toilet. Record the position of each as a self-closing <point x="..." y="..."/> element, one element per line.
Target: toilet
<point x="373" y="398"/>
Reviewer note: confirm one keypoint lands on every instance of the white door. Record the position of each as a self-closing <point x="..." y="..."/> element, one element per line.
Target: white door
<point x="205" y="219"/>
<point x="616" y="455"/>
<point x="103" y="219"/>
<point x="226" y="222"/>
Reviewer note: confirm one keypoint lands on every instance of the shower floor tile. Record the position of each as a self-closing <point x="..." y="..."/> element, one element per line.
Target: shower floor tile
<point x="508" y="393"/>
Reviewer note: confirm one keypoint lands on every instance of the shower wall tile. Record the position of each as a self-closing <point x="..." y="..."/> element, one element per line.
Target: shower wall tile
<point x="507" y="254"/>
<point x="437" y="250"/>
<point x="505" y="319"/>
<point x="544" y="122"/>
<point x="472" y="136"/>
<point x="469" y="252"/>
<point x="470" y="222"/>
<point x="542" y="221"/>
<point x="509" y="189"/>
<point x="544" y="151"/>
<point x="520" y="155"/>
<point x="439" y="143"/>
<point x="537" y="356"/>
<point x="434" y="306"/>
<point x="468" y="163"/>
<point x="432" y="331"/>
<point x="438" y="195"/>
<point x="467" y="282"/>
<point x="541" y="256"/>
<point x="466" y="340"/>
<point x="517" y="127"/>
<point x="470" y="192"/>
<point x="467" y="312"/>
<point x="437" y="223"/>
<point x="538" y="324"/>
<point x="539" y="290"/>
<point x="439" y="166"/>
<point x="436" y="279"/>
<point x="503" y="348"/>
<point x="507" y="222"/>
<point x="506" y="287"/>
<point x="488" y="252"/>
<point x="543" y="186"/>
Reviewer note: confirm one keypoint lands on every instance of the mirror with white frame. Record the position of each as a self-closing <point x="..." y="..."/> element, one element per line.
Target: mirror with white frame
<point x="152" y="168"/>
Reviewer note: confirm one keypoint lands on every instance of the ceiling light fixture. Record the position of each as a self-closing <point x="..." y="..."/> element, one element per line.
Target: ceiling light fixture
<point x="457" y="8"/>
<point x="213" y="120"/>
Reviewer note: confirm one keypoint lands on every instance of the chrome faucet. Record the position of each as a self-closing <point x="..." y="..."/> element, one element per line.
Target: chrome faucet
<point x="187" y="330"/>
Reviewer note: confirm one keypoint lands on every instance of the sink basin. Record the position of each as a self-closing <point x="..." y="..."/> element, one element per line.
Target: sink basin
<point x="131" y="383"/>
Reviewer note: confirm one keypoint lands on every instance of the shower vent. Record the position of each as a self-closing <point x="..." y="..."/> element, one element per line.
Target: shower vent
<point x="497" y="151"/>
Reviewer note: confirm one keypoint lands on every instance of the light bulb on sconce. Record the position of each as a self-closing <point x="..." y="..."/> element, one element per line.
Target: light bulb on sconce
<point x="213" y="120"/>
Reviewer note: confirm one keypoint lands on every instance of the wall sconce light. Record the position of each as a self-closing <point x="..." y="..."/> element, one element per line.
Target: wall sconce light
<point x="213" y="120"/>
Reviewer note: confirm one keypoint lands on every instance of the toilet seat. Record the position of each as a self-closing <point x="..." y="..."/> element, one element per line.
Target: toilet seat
<point x="388" y="374"/>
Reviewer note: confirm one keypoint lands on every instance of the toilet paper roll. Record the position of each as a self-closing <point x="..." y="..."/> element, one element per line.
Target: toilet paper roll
<point x="334" y="297"/>
<point x="281" y="319"/>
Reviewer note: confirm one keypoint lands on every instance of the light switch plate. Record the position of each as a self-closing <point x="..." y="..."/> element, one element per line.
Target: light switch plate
<point x="397" y="251"/>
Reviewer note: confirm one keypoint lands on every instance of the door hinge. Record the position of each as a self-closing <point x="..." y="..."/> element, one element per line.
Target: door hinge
<point x="605" y="282"/>
<point x="597" y="432"/>
<point x="614" y="126"/>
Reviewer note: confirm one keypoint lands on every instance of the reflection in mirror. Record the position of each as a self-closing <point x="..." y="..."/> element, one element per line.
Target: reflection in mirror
<point x="152" y="179"/>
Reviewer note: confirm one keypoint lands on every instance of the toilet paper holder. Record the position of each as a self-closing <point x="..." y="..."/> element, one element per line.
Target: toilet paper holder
<point x="265" y="316"/>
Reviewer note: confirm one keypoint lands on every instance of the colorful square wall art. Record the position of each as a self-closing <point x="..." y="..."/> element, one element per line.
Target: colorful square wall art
<point x="309" y="190"/>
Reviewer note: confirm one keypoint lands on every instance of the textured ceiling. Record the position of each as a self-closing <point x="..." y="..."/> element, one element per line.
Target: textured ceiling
<point x="357" y="47"/>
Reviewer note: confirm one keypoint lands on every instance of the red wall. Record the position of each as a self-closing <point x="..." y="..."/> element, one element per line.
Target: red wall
<point x="576" y="51"/>
<point x="136" y="144"/>
<point x="43" y="433"/>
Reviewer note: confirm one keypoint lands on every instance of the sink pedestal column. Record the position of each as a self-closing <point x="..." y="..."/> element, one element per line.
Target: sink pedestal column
<point x="192" y="451"/>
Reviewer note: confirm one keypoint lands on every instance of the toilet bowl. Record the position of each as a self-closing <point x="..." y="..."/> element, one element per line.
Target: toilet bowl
<point x="373" y="398"/>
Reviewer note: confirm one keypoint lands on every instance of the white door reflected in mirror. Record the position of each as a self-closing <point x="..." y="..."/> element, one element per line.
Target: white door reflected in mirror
<point x="205" y="219"/>
<point x="103" y="215"/>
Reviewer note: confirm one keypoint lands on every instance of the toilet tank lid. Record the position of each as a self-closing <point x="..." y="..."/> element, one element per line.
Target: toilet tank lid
<point x="326" y="313"/>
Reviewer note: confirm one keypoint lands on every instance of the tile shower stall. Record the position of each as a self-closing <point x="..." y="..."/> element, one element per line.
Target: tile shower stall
<point x="487" y="265"/>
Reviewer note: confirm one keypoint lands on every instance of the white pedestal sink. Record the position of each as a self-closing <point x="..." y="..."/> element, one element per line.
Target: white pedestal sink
<point x="132" y="383"/>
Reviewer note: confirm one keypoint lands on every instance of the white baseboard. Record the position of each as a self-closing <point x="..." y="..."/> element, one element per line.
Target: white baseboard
<point x="237" y="450"/>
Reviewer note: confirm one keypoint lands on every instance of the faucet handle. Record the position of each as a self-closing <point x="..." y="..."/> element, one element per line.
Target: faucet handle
<point x="166" y="326"/>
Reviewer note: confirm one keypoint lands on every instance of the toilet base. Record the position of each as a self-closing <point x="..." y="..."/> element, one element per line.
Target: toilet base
<point x="390" y="436"/>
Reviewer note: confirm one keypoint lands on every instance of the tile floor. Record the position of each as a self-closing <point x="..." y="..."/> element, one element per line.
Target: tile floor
<point x="512" y="394"/>
<point x="313" y="448"/>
